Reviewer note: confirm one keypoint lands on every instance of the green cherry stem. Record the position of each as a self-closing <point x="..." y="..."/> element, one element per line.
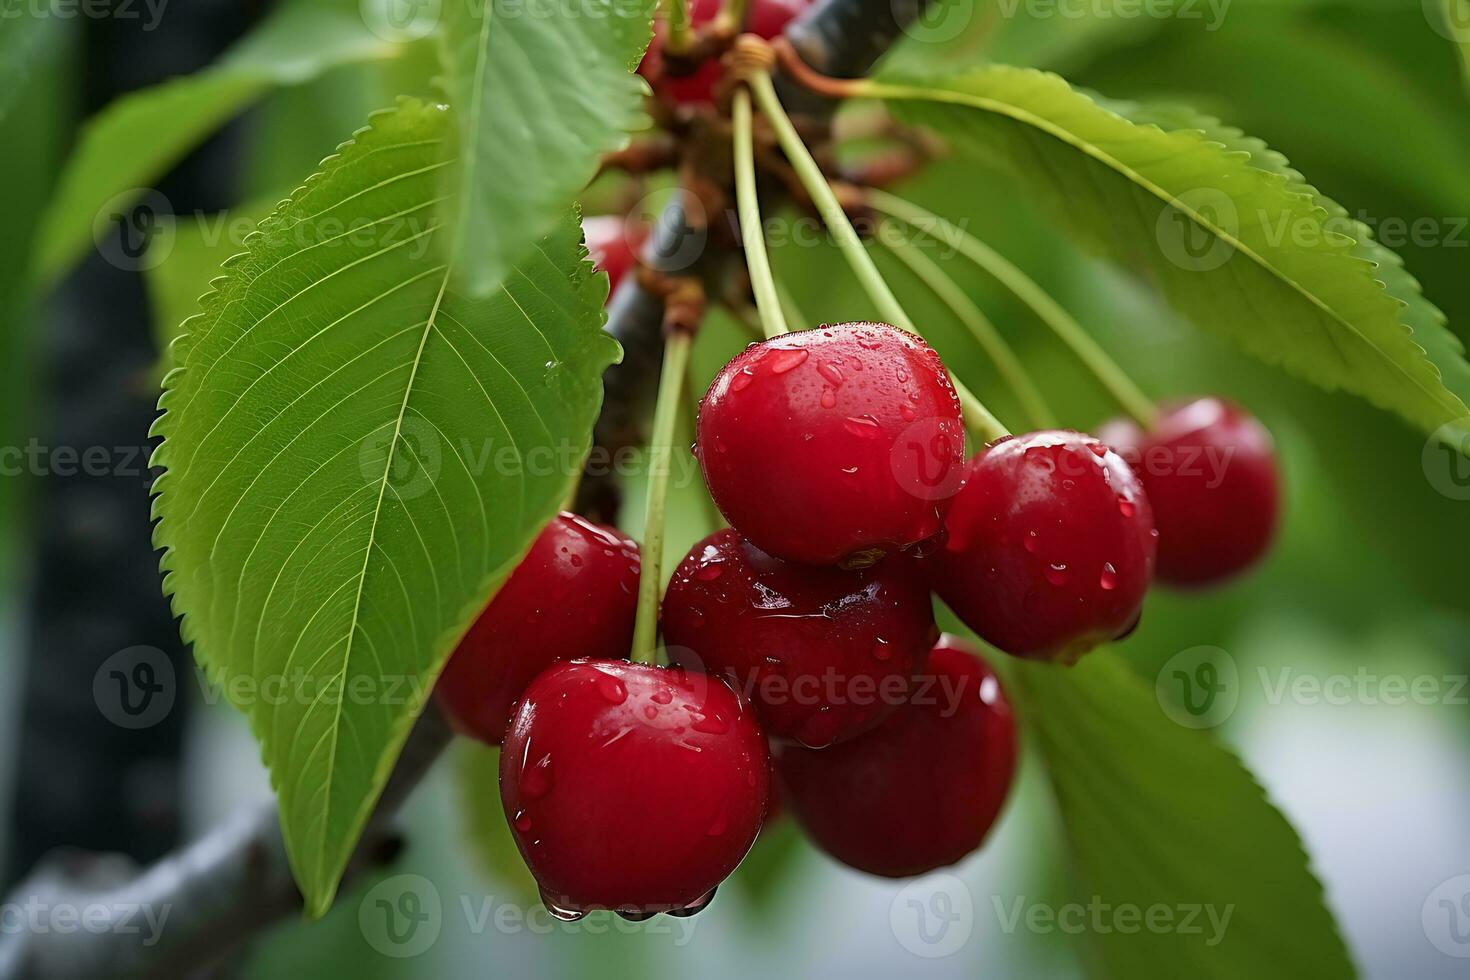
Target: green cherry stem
<point x="687" y="435"/>
<point x="660" y="456"/>
<point x="680" y="36"/>
<point x="732" y="15"/>
<point x="767" y="300"/>
<point x="977" y="416"/>
<point x="1011" y="370"/>
<point x="1024" y="288"/>
<point x="791" y="308"/>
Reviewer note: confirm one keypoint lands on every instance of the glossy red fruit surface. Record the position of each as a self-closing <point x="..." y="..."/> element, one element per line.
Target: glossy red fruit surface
<point x="766" y="18"/>
<point x="821" y="653"/>
<point x="575" y="594"/>
<point x="632" y="787"/>
<point x="1211" y="474"/>
<point x="1051" y="546"/>
<point x="613" y="244"/>
<point x="922" y="789"/>
<point x="824" y="443"/>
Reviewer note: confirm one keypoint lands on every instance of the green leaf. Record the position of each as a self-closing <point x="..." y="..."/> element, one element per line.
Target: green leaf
<point x="30" y="36"/>
<point x="338" y="502"/>
<point x="538" y="99"/>
<point x="775" y="861"/>
<point x="192" y="253"/>
<point x="137" y="138"/>
<point x="1157" y="814"/>
<point x="477" y="774"/>
<point x="1429" y="326"/>
<point x="1232" y="241"/>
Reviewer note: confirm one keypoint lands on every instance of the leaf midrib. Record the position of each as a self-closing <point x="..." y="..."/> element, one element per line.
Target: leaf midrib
<point x="883" y="90"/>
<point x="336" y="725"/>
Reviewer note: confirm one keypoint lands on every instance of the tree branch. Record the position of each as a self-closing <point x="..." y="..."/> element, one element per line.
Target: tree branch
<point x="226" y="888"/>
<point x="194" y="908"/>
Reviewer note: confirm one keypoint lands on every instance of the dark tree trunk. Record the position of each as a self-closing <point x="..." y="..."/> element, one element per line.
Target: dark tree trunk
<point x="89" y="773"/>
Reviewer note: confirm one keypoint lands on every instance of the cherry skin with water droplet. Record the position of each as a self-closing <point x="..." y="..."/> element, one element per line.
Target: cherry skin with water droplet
<point x="920" y="791"/>
<point x="1051" y="546"/>
<point x="846" y="439"/>
<point x="822" y="653"/>
<point x="612" y="245"/>
<point x="1211" y="474"/>
<point x="615" y="806"/>
<point x="579" y="580"/>
<point x="765" y="18"/>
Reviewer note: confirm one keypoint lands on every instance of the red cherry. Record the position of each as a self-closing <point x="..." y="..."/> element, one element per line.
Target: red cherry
<point x="823" y="443"/>
<point x="1051" y="546"/>
<point x="1211" y="475"/>
<point x="578" y="579"/>
<point x="766" y="18"/>
<point x="822" y="653"/>
<point x="632" y="787"/>
<point x="613" y="245"/>
<point x="921" y="790"/>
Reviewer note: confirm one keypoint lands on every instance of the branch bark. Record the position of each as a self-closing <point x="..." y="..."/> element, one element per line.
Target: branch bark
<point x="228" y="887"/>
<point x="193" y="909"/>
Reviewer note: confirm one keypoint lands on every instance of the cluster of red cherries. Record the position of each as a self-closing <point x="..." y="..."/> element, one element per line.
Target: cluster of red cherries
<point x="802" y="641"/>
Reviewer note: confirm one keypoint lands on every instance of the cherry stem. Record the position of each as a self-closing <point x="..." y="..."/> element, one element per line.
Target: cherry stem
<point x="1112" y="377"/>
<point x="791" y="307"/>
<point x="688" y="435"/>
<point x="680" y="38"/>
<point x="767" y="300"/>
<point x="977" y="416"/>
<point x="732" y="16"/>
<point x="660" y="456"/>
<point x="1012" y="371"/>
